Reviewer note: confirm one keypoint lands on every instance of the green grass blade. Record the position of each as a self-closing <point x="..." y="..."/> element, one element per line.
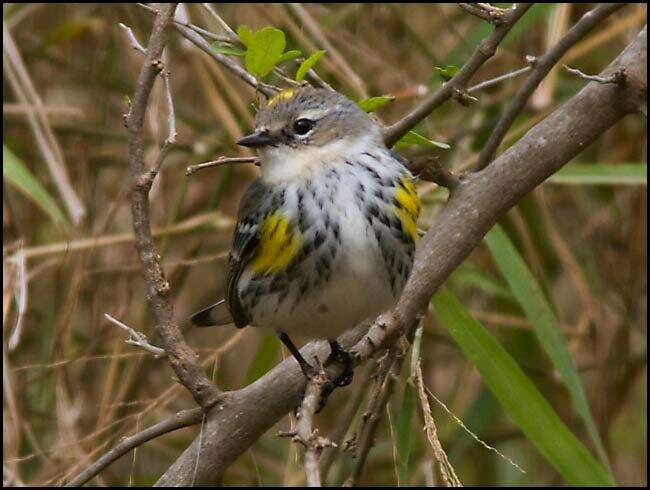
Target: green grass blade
<point x="531" y="298"/>
<point x="403" y="423"/>
<point x="18" y="175"/>
<point x="601" y="174"/>
<point x="519" y="397"/>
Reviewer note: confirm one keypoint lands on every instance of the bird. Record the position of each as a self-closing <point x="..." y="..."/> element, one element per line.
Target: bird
<point x="325" y="237"/>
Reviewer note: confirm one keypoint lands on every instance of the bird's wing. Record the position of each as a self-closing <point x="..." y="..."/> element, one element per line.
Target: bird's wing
<point x="254" y="206"/>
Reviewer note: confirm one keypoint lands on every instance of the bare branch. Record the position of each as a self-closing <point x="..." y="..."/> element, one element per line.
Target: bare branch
<point x="191" y="35"/>
<point x="484" y="51"/>
<point x="136" y="338"/>
<point x="186" y="418"/>
<point x="220" y="161"/>
<point x="618" y="77"/>
<point x="541" y="67"/>
<point x="171" y="117"/>
<point x="182" y="358"/>
<point x="132" y="39"/>
<point x="499" y="79"/>
<point x="485" y="11"/>
<point x="197" y="29"/>
<point x="232" y="35"/>
<point x="479" y="202"/>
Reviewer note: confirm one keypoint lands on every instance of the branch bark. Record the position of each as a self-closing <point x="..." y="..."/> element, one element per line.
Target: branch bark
<point x="476" y="205"/>
<point x="182" y="358"/>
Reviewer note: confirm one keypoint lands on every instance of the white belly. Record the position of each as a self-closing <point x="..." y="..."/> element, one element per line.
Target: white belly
<point x="363" y="277"/>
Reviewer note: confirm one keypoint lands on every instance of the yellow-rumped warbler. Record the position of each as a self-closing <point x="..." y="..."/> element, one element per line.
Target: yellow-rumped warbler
<point x="325" y="237"/>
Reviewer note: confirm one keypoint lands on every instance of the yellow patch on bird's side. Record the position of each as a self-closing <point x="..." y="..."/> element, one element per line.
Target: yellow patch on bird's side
<point x="408" y="207"/>
<point x="279" y="244"/>
<point x="284" y="95"/>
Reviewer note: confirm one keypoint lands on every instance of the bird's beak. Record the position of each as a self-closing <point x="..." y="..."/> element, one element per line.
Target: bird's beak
<point x="257" y="139"/>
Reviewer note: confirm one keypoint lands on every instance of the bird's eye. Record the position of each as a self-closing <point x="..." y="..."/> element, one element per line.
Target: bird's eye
<point x="302" y="126"/>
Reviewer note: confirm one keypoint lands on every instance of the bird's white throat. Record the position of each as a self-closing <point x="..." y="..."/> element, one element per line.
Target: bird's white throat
<point x="285" y="164"/>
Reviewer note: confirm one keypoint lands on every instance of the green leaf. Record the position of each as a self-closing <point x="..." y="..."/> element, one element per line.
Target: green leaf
<point x="519" y="397"/>
<point x="18" y="175"/>
<point x="413" y="138"/>
<point x="601" y="174"/>
<point x="306" y="65"/>
<point x="264" y="51"/>
<point x="227" y="49"/>
<point x="374" y="103"/>
<point x="289" y="55"/>
<point x="447" y="72"/>
<point x="547" y="328"/>
<point x="245" y="35"/>
<point x="265" y="358"/>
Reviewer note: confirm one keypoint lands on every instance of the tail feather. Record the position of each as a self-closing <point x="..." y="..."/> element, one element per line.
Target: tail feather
<point x="214" y="315"/>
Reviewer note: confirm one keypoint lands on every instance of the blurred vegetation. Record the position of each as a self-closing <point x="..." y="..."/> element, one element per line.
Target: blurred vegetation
<point x="558" y="289"/>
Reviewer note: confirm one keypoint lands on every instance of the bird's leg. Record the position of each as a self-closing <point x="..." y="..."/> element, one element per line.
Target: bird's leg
<point x="339" y="355"/>
<point x="307" y="369"/>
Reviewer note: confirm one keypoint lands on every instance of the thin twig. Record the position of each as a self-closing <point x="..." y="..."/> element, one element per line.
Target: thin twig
<point x="220" y="161"/>
<point x="446" y="469"/>
<point x="19" y="260"/>
<point x="186" y="418"/>
<point x="540" y="69"/>
<point x="197" y="29"/>
<point x="196" y="39"/>
<point x="365" y="435"/>
<point x="171" y="118"/>
<point x="132" y="39"/>
<point x="355" y="398"/>
<point x="232" y="35"/>
<point x="499" y="79"/>
<point x="485" y="11"/>
<point x="618" y="77"/>
<point x="472" y="434"/>
<point x="136" y="338"/>
<point x="305" y="430"/>
<point x="484" y="51"/>
<point x="182" y="358"/>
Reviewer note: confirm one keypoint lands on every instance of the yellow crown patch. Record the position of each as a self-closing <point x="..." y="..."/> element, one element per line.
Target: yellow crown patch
<point x="284" y="95"/>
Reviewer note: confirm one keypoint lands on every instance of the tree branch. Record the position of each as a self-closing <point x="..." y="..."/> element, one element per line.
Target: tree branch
<point x="541" y="68"/>
<point x="477" y="204"/>
<point x="182" y="358"/>
<point x="484" y="51"/>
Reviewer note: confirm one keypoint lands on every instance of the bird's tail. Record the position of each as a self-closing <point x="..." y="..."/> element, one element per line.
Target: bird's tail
<point x="214" y="315"/>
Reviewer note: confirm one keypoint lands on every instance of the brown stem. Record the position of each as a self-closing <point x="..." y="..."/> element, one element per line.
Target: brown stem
<point x="182" y="358"/>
